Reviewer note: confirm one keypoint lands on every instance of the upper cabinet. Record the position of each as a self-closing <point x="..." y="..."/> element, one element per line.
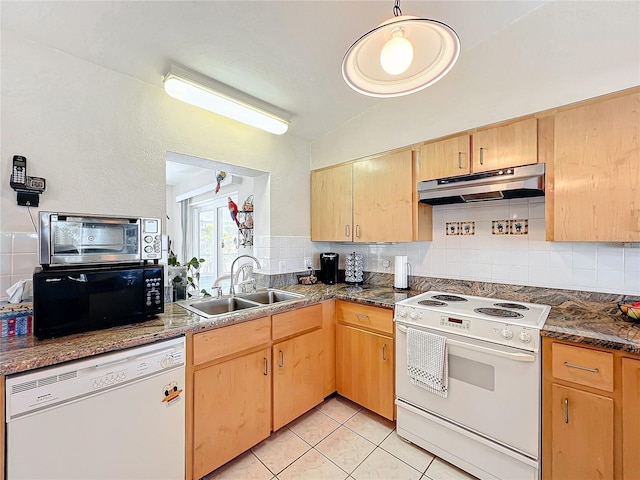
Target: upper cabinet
<point x="594" y="178"/>
<point x="507" y="145"/>
<point x="359" y="201"/>
<point x="445" y="158"/>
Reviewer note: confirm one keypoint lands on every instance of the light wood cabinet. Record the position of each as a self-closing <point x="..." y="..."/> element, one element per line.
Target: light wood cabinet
<point x="590" y="412"/>
<point x="358" y="201"/>
<point x="232" y="409"/>
<point x="365" y="361"/>
<point x="594" y="180"/>
<point x="582" y="441"/>
<point x="332" y="204"/>
<point x="445" y="158"/>
<point x="510" y="144"/>
<point x="229" y="375"/>
<point x="297" y="377"/>
<point x="630" y="419"/>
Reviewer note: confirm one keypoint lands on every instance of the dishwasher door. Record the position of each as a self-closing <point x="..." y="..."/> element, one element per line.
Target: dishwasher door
<point x="116" y="416"/>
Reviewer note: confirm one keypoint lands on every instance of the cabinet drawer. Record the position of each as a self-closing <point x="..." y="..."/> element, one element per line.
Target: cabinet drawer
<point x="365" y="316"/>
<point x="225" y="341"/>
<point x="584" y="366"/>
<point x="296" y="321"/>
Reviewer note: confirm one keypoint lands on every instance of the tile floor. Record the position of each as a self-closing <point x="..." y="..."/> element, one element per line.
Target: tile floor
<point x="337" y="440"/>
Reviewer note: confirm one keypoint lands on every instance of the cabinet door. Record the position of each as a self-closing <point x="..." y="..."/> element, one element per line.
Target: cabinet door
<point x="331" y="204"/>
<point x="365" y="369"/>
<point x="298" y="379"/>
<point x="232" y="410"/>
<point x="444" y="158"/>
<point x="596" y="172"/>
<point x="582" y="438"/>
<point x="382" y="198"/>
<point x="630" y="419"/>
<point x="509" y="145"/>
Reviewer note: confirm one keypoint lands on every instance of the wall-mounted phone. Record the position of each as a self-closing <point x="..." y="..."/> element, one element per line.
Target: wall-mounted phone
<point x="28" y="188"/>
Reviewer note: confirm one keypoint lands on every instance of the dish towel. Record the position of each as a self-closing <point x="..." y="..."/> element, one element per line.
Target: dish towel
<point x="427" y="361"/>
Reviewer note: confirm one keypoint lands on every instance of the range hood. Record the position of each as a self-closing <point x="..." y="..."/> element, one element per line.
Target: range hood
<point x="517" y="182"/>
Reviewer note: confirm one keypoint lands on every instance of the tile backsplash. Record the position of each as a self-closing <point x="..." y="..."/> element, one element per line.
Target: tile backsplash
<point x="18" y="258"/>
<point x="475" y="253"/>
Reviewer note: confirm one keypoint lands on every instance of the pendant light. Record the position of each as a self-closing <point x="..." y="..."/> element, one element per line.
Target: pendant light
<point x="400" y="56"/>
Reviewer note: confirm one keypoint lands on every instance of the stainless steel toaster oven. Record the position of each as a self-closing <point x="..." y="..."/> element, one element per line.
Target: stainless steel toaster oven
<point x="80" y="239"/>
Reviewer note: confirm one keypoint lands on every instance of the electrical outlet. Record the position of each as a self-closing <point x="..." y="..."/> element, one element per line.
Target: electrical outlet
<point x="282" y="266"/>
<point x="308" y="262"/>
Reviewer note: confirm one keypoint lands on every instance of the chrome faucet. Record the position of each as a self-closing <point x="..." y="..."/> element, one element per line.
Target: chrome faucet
<point x="232" y="290"/>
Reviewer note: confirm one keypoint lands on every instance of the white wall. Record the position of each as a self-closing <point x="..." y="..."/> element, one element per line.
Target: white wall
<point x="563" y="52"/>
<point x="100" y="138"/>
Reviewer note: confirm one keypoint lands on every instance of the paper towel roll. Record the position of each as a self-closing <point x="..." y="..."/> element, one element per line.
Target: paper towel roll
<point x="401" y="272"/>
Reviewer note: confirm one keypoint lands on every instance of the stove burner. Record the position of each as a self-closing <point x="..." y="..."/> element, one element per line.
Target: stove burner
<point x="513" y="306"/>
<point x="449" y="298"/>
<point x="498" y="312"/>
<point x="432" y="303"/>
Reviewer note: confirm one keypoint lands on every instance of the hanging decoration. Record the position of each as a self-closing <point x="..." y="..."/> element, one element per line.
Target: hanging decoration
<point x="233" y="210"/>
<point x="219" y="178"/>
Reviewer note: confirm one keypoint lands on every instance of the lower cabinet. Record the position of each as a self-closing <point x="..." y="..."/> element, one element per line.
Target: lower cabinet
<point x="590" y="412"/>
<point x="365" y="365"/>
<point x="232" y="409"/>
<point x="297" y="377"/>
<point x="582" y="441"/>
<point x="365" y="362"/>
<point x="630" y="419"/>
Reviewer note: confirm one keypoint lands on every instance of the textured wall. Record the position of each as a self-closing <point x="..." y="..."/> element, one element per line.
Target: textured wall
<point x="99" y="138"/>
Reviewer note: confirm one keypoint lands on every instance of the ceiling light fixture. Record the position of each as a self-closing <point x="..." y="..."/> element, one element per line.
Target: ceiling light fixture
<point x="222" y="99"/>
<point x="400" y="56"/>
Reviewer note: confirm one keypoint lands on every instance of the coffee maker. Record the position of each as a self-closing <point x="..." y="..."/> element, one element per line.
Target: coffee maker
<point x="329" y="268"/>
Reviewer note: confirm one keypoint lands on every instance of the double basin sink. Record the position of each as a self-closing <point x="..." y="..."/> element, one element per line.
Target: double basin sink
<point x="221" y="306"/>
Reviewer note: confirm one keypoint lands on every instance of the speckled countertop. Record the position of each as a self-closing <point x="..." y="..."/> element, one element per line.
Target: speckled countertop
<point x="575" y="316"/>
<point x="22" y="353"/>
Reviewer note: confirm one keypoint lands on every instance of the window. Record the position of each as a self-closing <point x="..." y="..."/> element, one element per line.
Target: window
<point x="215" y="238"/>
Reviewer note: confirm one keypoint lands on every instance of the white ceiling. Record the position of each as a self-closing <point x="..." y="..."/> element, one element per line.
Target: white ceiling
<point x="287" y="53"/>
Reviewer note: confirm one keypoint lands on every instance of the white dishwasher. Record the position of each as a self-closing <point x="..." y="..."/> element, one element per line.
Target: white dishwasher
<point x="119" y="415"/>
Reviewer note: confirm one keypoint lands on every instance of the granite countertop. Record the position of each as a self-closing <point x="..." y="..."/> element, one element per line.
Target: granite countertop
<point x="572" y="320"/>
<point x="25" y="352"/>
<point x="590" y="327"/>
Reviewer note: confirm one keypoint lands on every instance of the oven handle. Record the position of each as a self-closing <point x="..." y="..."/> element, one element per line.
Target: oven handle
<point x="519" y="357"/>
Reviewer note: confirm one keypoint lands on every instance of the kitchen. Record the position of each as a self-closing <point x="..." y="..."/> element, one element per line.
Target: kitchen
<point x="133" y="124"/>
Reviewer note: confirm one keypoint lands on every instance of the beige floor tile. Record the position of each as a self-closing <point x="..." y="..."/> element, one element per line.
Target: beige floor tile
<point x="339" y="408"/>
<point x="246" y="467"/>
<point x="280" y="450"/>
<point x="441" y="470"/>
<point x="407" y="452"/>
<point x="371" y="426"/>
<point x="384" y="466"/>
<point x="345" y="448"/>
<point x="313" y="426"/>
<point x="312" y="466"/>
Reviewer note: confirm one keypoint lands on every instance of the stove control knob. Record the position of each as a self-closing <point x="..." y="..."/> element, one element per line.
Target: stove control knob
<point x="525" y="337"/>
<point x="506" y="332"/>
<point x="402" y="312"/>
<point x="413" y="315"/>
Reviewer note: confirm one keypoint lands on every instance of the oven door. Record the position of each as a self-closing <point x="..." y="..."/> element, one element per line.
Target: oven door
<point x="494" y="390"/>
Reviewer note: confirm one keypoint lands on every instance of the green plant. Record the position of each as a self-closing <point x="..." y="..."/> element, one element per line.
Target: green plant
<point x="193" y="274"/>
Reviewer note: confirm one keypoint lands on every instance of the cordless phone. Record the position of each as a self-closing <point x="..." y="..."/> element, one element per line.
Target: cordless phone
<point x="19" y="172"/>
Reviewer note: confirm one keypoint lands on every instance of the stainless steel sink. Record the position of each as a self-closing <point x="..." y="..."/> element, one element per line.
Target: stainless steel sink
<point x="218" y="306"/>
<point x="221" y="306"/>
<point x="271" y="296"/>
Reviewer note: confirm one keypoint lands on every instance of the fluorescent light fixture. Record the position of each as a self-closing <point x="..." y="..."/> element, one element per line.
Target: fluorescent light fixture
<point x="222" y="99"/>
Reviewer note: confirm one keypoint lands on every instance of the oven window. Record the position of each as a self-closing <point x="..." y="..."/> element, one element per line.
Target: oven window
<point x="472" y="372"/>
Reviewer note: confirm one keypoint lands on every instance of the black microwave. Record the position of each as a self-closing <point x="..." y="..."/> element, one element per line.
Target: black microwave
<point x="81" y="299"/>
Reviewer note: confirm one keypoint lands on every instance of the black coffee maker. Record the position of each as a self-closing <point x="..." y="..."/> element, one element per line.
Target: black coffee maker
<point x="329" y="268"/>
